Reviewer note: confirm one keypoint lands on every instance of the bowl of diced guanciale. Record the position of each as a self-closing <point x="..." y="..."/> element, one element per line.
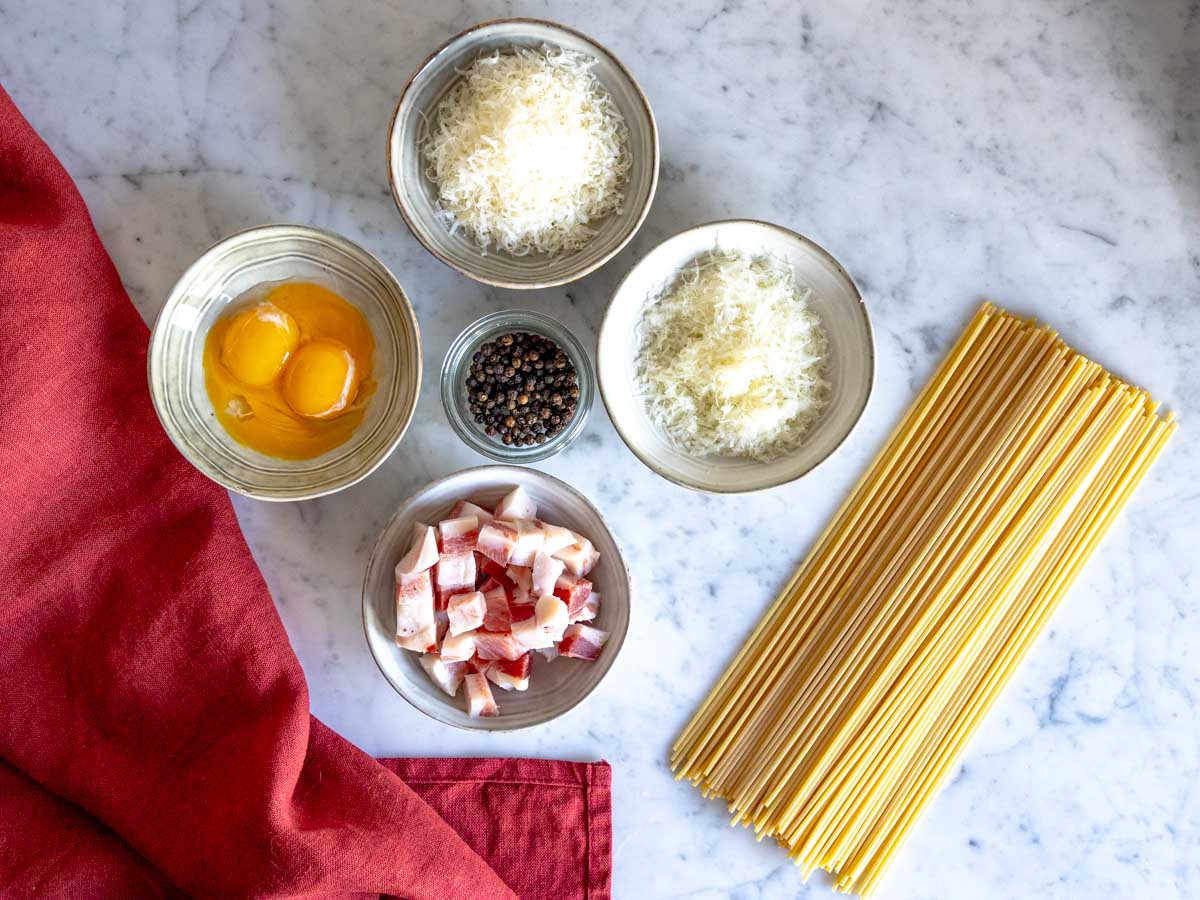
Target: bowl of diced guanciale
<point x="496" y="599"/>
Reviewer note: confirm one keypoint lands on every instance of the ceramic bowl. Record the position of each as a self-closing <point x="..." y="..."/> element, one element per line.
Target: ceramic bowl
<point x="416" y="194"/>
<point x="554" y="687"/>
<point x="226" y="271"/>
<point x="835" y="299"/>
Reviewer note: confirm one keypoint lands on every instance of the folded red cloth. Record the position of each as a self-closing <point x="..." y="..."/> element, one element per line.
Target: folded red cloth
<point x="155" y="738"/>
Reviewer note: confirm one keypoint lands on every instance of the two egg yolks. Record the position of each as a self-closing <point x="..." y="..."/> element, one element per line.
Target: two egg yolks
<point x="283" y="372"/>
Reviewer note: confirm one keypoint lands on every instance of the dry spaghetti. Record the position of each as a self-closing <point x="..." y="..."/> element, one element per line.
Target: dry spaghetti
<point x="846" y="708"/>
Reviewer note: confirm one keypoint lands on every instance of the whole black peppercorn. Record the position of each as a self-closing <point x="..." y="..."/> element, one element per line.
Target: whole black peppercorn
<point x="521" y="388"/>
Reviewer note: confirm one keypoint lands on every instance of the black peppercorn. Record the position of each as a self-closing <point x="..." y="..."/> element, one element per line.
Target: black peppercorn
<point x="521" y="388"/>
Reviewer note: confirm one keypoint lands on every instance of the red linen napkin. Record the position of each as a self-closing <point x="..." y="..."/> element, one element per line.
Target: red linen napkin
<point x="155" y="738"/>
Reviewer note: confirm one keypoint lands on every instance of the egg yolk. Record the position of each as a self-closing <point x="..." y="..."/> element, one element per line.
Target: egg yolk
<point x="290" y="370"/>
<point x="258" y="343"/>
<point x="321" y="379"/>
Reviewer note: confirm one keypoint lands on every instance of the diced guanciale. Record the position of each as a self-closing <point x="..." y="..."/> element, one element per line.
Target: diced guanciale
<point x="546" y="570"/>
<point x="466" y="612"/>
<point x="582" y="642"/>
<point x="552" y="617"/>
<point x="497" y="616"/>
<point x="458" y="535"/>
<point x="458" y="647"/>
<point x="557" y="538"/>
<point x="497" y="541"/>
<point x="478" y="593"/>
<point x="530" y="539"/>
<point x="447" y="676"/>
<point x="579" y="558"/>
<point x="479" y="697"/>
<point x="422" y="552"/>
<point x="467" y="508"/>
<point x="517" y="504"/>
<point x="573" y="591"/>
<point x="591" y="609"/>
<point x="416" y="628"/>
<point x="456" y="572"/>
<point x="489" y="645"/>
<point x="511" y="675"/>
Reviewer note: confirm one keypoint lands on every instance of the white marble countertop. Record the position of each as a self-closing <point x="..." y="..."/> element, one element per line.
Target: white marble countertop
<point x="1042" y="154"/>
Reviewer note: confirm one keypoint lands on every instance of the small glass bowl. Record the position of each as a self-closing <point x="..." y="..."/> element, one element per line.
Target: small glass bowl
<point x="458" y="364"/>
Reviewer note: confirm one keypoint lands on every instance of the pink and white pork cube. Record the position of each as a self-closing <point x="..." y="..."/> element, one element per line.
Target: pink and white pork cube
<point x="481" y="590"/>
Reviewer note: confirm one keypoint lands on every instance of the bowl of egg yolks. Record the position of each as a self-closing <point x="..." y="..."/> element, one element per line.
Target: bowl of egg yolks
<point x="286" y="363"/>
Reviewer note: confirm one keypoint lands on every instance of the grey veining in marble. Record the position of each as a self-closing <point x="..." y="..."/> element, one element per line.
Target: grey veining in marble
<point x="1042" y="154"/>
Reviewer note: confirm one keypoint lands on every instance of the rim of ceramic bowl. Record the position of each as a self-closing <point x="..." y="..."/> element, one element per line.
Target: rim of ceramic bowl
<point x="470" y="339"/>
<point x="214" y="474"/>
<point x="870" y="349"/>
<point x="395" y="177"/>
<point x="616" y="641"/>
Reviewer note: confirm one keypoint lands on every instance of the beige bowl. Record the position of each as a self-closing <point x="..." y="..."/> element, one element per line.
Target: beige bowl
<point x="274" y="253"/>
<point x="416" y="194"/>
<point x="554" y="687"/>
<point x="835" y="299"/>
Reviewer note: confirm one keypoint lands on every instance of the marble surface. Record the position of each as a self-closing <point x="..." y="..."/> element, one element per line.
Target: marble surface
<point x="1045" y="154"/>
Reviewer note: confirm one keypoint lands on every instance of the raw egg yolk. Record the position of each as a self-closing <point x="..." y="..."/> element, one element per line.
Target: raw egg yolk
<point x="258" y="344"/>
<point x="321" y="379"/>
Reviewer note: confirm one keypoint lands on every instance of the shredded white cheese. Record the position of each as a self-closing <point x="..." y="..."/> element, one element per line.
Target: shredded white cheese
<point x="732" y="359"/>
<point x="528" y="152"/>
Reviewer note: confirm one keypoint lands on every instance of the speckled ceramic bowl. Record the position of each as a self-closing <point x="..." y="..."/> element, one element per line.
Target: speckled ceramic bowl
<point x="416" y="194"/>
<point x="226" y="271"/>
<point x="835" y="299"/>
<point x="554" y="687"/>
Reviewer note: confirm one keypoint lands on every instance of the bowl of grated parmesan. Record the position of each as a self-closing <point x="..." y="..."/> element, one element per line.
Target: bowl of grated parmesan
<point x="735" y="356"/>
<point x="523" y="154"/>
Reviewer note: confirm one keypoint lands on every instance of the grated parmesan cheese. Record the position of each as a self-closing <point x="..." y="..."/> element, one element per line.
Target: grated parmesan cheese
<point x="528" y="152"/>
<point x="732" y="360"/>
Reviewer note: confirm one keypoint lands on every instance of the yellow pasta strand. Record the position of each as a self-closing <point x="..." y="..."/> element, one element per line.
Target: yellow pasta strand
<point x="855" y="695"/>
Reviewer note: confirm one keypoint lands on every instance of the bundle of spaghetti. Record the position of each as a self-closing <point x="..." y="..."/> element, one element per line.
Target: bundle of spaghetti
<point x="859" y="689"/>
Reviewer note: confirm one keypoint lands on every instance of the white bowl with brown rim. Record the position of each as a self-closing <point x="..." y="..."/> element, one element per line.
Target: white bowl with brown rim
<point x="416" y="194"/>
<point x="555" y="687"/>
<point x="836" y="301"/>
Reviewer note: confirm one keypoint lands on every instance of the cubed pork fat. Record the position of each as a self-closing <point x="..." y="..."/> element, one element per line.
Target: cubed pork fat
<point x="447" y="676"/>
<point x="477" y="666"/>
<point x="415" y="625"/>
<point x="546" y="570"/>
<point x="557" y="538"/>
<point x="466" y="612"/>
<point x="519" y="612"/>
<point x="579" y="558"/>
<point x="573" y="591"/>
<point x="529" y="635"/>
<point x="458" y="535"/>
<point x="530" y="538"/>
<point x="442" y="620"/>
<point x="490" y="645"/>
<point x="522" y="579"/>
<point x="467" y="508"/>
<point x="591" y="609"/>
<point x="422" y="551"/>
<point x="497" y="541"/>
<point x="493" y="569"/>
<point x="552" y="617"/>
<point x="456" y="572"/>
<point x="550" y="653"/>
<point x="497" y="616"/>
<point x="582" y="642"/>
<point x="511" y="675"/>
<point x="516" y="504"/>
<point x="458" y="647"/>
<point x="479" y="697"/>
